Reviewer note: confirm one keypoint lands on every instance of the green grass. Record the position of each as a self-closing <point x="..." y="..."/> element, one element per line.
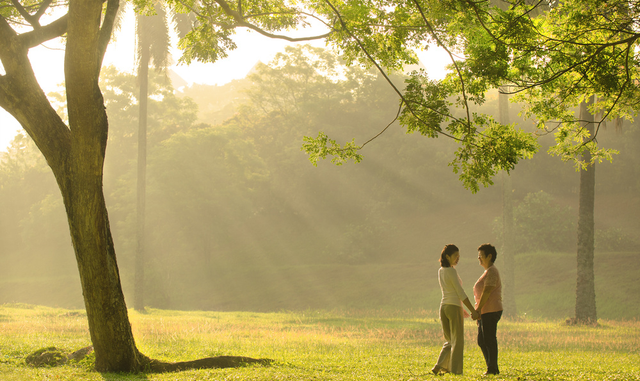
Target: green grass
<point x="322" y="345"/>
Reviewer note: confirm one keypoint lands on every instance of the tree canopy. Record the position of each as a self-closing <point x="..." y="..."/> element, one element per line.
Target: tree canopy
<point x="552" y="55"/>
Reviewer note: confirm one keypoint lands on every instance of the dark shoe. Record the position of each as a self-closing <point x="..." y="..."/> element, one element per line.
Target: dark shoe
<point x="438" y="371"/>
<point x="487" y="373"/>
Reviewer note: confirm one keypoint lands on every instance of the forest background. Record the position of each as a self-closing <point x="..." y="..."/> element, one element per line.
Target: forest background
<point x="238" y="219"/>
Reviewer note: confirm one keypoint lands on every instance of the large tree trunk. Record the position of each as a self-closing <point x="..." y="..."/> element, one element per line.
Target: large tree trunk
<point x="508" y="254"/>
<point x="76" y="156"/>
<point x="109" y="326"/>
<point x="80" y="182"/>
<point x="585" y="285"/>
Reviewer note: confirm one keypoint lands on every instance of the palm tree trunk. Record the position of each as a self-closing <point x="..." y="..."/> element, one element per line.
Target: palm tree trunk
<point x="143" y="78"/>
<point x="508" y="253"/>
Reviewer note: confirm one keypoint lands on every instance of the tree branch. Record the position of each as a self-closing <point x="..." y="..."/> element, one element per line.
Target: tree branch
<point x="433" y="34"/>
<point x="240" y="21"/>
<point x="386" y="128"/>
<point x="45" y="33"/>
<point x="384" y="74"/>
<point x="43" y="8"/>
<point x="107" y="28"/>
<point x="32" y="20"/>
<point x="282" y="37"/>
<point x="600" y="47"/>
<point x="6" y="34"/>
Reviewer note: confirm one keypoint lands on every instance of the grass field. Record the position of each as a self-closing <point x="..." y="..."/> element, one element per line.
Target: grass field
<point x="321" y="345"/>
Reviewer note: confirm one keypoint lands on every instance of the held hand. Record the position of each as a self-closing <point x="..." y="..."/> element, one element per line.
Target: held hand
<point x="475" y="315"/>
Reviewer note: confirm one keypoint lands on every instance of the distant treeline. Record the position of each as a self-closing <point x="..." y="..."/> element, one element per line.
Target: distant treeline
<point x="229" y="190"/>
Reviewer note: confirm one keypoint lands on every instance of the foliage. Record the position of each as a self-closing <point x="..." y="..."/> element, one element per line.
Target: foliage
<point x="569" y="52"/>
<point x="168" y="115"/>
<point x="384" y="33"/>
<point x="25" y="207"/>
<point x="616" y="240"/>
<point x="541" y="224"/>
<point x="552" y="55"/>
<point x="303" y="90"/>
<point x="210" y="38"/>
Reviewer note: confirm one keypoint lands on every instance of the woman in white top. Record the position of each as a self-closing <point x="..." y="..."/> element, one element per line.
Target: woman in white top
<point x="451" y="313"/>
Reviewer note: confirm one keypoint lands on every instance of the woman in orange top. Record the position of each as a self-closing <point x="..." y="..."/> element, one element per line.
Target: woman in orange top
<point x="487" y="293"/>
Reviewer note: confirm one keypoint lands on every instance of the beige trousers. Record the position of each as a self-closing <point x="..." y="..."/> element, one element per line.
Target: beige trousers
<point x="452" y="353"/>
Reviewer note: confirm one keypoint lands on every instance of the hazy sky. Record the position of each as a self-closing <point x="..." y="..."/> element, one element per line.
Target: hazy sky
<point x="47" y="61"/>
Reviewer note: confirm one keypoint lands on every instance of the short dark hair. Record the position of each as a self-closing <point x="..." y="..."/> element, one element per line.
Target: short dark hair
<point x="487" y="249"/>
<point x="448" y="250"/>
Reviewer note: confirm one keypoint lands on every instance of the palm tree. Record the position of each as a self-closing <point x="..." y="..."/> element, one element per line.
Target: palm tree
<point x="153" y="48"/>
<point x="508" y="246"/>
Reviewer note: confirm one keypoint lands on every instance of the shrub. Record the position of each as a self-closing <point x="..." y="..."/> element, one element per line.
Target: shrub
<point x="541" y="224"/>
<point x="615" y="239"/>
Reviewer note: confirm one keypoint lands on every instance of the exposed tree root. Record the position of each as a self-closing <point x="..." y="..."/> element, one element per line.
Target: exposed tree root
<point x="53" y="356"/>
<point x="582" y="322"/>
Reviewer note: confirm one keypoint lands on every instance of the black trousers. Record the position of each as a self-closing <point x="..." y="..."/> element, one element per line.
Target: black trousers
<point x="488" y="341"/>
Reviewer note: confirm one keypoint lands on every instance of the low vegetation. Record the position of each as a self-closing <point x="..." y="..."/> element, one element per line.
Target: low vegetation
<point x="323" y="345"/>
<point x="545" y="286"/>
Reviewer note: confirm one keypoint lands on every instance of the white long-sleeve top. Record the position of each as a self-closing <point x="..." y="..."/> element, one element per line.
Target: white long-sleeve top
<point x="451" y="286"/>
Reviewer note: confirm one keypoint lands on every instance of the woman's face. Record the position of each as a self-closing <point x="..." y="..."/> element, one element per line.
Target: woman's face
<point x="485" y="261"/>
<point x="454" y="258"/>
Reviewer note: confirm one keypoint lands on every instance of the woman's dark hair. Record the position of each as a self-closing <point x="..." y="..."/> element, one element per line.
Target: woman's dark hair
<point x="489" y="249"/>
<point x="448" y="250"/>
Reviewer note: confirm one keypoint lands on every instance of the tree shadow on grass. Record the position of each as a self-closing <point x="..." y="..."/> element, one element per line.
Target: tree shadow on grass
<point x="219" y="362"/>
<point x="52" y="356"/>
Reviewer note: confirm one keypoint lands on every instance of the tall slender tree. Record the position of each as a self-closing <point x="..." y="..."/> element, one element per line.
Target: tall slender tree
<point x="508" y="247"/>
<point x="152" y="32"/>
<point x="153" y="46"/>
<point x="585" y="285"/>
